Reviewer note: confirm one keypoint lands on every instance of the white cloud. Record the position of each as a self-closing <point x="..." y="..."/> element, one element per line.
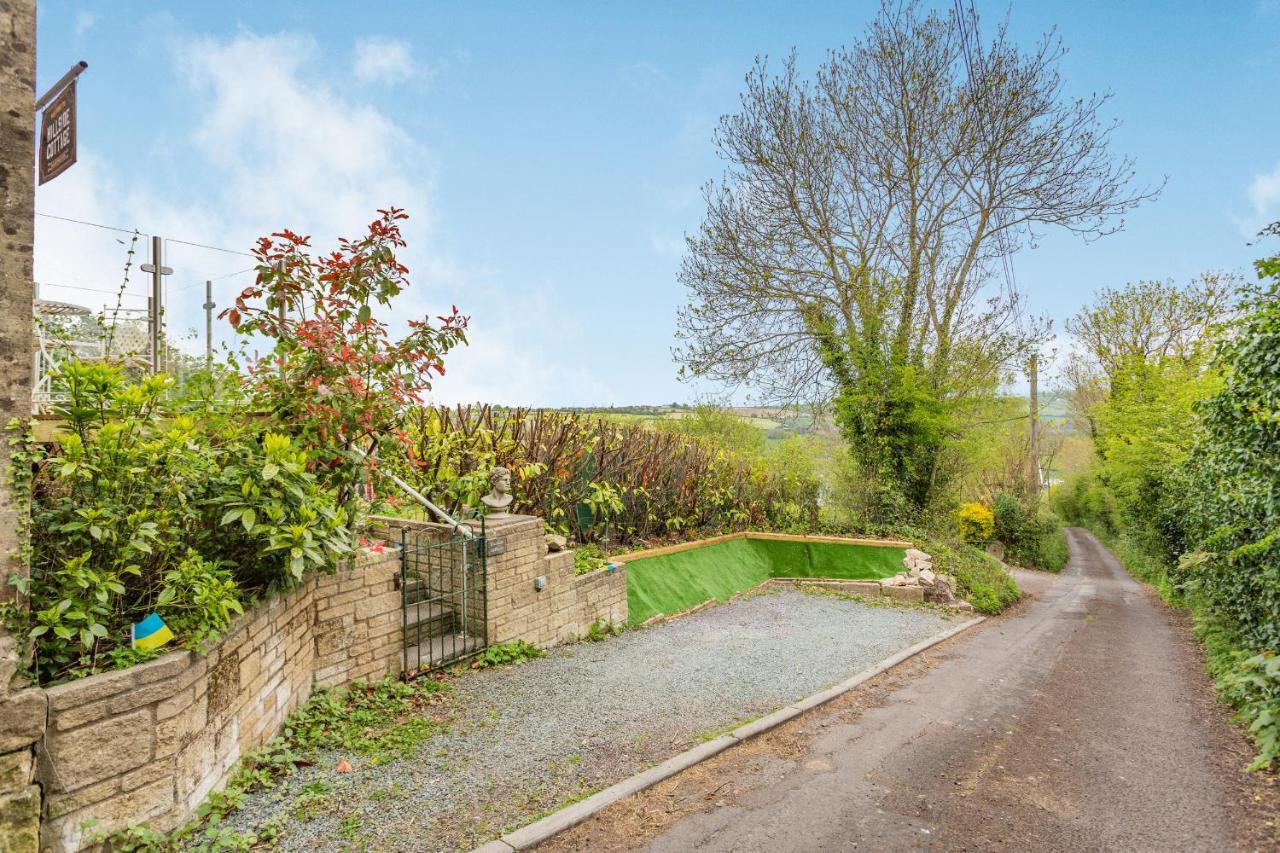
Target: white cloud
<point x="84" y="21"/>
<point x="271" y="144"/>
<point x="1264" y="199"/>
<point x="384" y="60"/>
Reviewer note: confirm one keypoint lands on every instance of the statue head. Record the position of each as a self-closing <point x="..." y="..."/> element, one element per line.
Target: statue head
<point x="499" y="497"/>
<point x="500" y="480"/>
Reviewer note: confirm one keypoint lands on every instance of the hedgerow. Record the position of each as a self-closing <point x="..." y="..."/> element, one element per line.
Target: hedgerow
<point x="598" y="480"/>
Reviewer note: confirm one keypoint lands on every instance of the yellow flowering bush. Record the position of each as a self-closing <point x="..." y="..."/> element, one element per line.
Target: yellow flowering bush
<point x="977" y="523"/>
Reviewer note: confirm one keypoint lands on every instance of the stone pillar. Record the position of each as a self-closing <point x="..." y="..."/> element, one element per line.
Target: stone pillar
<point x="22" y="711"/>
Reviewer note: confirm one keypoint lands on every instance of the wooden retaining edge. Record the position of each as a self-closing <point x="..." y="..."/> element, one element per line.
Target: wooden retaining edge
<point x="760" y="534"/>
<point x="570" y="816"/>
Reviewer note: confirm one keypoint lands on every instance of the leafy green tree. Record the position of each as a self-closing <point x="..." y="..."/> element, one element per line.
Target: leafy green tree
<point x="1147" y="321"/>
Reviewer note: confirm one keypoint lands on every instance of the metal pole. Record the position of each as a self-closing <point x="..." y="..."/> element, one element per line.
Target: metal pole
<point x="60" y="85"/>
<point x="1035" y="424"/>
<point x="157" y="307"/>
<point x="208" y="324"/>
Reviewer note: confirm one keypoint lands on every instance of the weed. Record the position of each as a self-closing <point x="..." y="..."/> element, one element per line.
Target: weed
<point x="369" y="718"/>
<point x="312" y="800"/>
<point x="392" y="792"/>
<point x="603" y="629"/>
<point x="351" y="827"/>
<point x="502" y="654"/>
<point x="381" y="719"/>
<point x="588" y="558"/>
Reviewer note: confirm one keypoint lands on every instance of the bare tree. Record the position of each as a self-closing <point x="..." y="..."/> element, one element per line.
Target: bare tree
<point x="865" y="215"/>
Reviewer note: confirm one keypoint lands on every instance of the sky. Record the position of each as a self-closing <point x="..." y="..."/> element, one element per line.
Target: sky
<point x="551" y="157"/>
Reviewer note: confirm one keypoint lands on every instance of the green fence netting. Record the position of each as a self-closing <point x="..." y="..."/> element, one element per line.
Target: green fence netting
<point x="669" y="583"/>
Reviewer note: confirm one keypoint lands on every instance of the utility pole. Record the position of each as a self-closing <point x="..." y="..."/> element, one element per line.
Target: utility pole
<point x="208" y="324"/>
<point x="155" y="322"/>
<point x="1034" y="461"/>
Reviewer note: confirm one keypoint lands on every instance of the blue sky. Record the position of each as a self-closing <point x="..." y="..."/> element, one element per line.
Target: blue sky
<point x="552" y="155"/>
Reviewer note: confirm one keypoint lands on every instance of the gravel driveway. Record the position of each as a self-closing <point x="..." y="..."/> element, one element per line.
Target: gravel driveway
<point x="525" y="739"/>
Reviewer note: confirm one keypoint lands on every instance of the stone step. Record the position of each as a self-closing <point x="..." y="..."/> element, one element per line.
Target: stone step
<point x="436" y="651"/>
<point x="428" y="619"/>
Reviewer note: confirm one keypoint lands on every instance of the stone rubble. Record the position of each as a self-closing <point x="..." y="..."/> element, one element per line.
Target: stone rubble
<point x="938" y="588"/>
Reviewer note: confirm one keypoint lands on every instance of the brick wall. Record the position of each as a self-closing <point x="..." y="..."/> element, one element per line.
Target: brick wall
<point x="517" y="556"/>
<point x="150" y="742"/>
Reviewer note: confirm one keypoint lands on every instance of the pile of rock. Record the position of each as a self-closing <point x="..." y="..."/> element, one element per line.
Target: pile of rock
<point x="938" y="588"/>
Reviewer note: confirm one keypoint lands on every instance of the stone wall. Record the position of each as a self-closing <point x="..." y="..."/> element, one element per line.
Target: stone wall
<point x="561" y="611"/>
<point x="150" y="742"/>
<point x="21" y="710"/>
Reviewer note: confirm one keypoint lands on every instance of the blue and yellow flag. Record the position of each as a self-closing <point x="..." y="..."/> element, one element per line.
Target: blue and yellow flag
<point x="151" y="633"/>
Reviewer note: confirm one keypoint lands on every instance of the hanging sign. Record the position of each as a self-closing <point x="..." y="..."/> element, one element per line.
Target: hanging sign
<point x="58" y="134"/>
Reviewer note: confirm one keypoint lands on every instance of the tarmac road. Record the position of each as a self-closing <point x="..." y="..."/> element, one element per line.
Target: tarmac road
<point x="1081" y="722"/>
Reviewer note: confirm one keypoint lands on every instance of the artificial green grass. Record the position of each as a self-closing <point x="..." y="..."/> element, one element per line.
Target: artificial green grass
<point x="670" y="583"/>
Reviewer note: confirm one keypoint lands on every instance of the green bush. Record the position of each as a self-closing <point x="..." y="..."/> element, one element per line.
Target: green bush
<point x="980" y="579"/>
<point x="1011" y="521"/>
<point x="144" y="507"/>
<point x="588" y="558"/>
<point x="1052" y="552"/>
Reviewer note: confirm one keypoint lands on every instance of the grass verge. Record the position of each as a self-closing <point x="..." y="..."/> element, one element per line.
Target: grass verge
<point x="1245" y="679"/>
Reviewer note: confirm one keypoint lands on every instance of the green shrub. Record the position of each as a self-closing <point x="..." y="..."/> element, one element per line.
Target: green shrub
<point x="1010" y="520"/>
<point x="597" y="479"/>
<point x="143" y="506"/>
<point x="980" y="579"/>
<point x="588" y="558"/>
<point x="1052" y="551"/>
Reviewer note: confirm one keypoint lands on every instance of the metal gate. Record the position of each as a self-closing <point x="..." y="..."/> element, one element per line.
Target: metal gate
<point x="445" y="610"/>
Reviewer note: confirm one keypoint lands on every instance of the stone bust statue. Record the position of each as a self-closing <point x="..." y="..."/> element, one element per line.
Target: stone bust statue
<point x="499" y="497"/>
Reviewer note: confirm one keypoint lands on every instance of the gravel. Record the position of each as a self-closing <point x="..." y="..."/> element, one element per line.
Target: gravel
<point x="525" y="739"/>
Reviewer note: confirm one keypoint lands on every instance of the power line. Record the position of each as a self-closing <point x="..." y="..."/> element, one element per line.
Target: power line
<point x="219" y="278"/>
<point x="94" y="224"/>
<point x="204" y="246"/>
<point x="90" y="289"/>
<point x="131" y="231"/>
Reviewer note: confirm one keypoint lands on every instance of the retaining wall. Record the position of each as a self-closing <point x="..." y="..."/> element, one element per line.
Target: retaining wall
<point x="150" y="742"/>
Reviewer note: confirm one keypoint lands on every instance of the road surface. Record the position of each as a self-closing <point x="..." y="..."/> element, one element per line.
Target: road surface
<point x="1083" y="721"/>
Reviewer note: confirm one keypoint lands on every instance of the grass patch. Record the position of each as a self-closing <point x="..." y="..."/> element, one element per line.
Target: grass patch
<point x="672" y="583"/>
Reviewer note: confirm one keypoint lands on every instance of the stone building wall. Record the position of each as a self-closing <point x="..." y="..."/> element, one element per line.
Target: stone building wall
<point x="150" y="742"/>
<point x="21" y="710"/>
